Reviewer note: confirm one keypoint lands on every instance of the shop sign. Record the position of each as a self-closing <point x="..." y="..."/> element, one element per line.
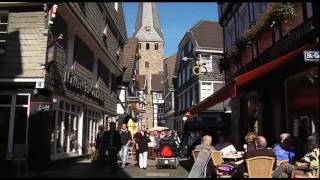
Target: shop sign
<point x="83" y="86"/>
<point x="311" y="56"/>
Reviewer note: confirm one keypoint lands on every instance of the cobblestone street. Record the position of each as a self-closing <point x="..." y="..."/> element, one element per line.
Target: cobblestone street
<point x="85" y="169"/>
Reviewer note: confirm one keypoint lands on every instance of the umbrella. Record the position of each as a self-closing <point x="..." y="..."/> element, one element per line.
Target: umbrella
<point x="158" y="128"/>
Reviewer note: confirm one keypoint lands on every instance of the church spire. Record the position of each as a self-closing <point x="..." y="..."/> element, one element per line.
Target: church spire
<point x="148" y="23"/>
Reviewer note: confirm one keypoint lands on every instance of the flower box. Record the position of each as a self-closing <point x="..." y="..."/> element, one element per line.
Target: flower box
<point x="289" y="25"/>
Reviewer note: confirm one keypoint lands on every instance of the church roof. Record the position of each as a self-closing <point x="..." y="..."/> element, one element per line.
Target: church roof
<point x="148" y="15"/>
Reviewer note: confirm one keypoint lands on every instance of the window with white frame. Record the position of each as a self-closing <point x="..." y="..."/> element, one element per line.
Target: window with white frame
<point x="3" y="31"/>
<point x="243" y="19"/>
<point x="206" y="90"/>
<point x="65" y="127"/>
<point x="95" y="119"/>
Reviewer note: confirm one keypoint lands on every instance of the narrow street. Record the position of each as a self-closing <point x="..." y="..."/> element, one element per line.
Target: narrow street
<point x="85" y="169"/>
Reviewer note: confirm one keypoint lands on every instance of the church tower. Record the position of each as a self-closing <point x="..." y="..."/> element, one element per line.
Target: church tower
<point x="150" y="48"/>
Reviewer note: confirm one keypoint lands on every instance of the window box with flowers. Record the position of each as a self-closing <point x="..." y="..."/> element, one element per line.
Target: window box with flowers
<point x="276" y="13"/>
<point x="296" y="20"/>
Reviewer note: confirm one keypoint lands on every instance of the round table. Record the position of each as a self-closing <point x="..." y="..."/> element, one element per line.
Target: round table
<point x="232" y="157"/>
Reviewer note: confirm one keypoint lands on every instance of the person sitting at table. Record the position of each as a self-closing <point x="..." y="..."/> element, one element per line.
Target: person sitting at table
<point x="250" y="139"/>
<point x="261" y="150"/>
<point x="224" y="146"/>
<point x="206" y="145"/>
<point x="307" y="166"/>
<point x="284" y="151"/>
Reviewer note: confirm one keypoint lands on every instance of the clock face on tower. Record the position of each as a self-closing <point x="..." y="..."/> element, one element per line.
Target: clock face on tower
<point x="147" y="28"/>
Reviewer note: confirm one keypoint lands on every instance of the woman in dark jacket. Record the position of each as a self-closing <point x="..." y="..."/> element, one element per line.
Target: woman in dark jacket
<point x="142" y="140"/>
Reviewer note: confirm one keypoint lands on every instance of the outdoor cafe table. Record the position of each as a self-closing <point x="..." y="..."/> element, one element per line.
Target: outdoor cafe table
<point x="232" y="157"/>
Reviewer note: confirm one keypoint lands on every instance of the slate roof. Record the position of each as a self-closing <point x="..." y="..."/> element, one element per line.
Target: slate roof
<point x="140" y="81"/>
<point x="129" y="53"/>
<point x="171" y="61"/>
<point x="157" y="82"/>
<point x="207" y="34"/>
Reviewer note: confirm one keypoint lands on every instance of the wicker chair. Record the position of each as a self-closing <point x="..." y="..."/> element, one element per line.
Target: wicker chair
<point x="195" y="154"/>
<point x="217" y="161"/>
<point x="260" y="167"/>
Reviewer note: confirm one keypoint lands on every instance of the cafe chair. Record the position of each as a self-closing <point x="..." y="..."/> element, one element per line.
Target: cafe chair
<point x="217" y="161"/>
<point x="195" y="154"/>
<point x="21" y="152"/>
<point x="260" y="167"/>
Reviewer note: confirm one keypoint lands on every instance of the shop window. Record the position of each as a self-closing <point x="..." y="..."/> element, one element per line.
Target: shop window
<point x="66" y="131"/>
<point x="3" y="32"/>
<point x="147" y="46"/>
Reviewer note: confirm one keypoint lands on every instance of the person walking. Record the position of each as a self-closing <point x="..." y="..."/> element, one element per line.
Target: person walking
<point x="113" y="146"/>
<point x="101" y="145"/>
<point x="126" y="138"/>
<point x="142" y="147"/>
<point x="151" y="145"/>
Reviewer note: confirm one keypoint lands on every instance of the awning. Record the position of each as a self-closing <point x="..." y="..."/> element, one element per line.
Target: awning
<point x="230" y="89"/>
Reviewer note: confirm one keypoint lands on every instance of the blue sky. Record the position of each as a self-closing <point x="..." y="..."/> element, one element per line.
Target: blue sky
<point x="175" y="19"/>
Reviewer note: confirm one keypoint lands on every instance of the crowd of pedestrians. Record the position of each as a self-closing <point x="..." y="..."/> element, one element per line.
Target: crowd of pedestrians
<point x="111" y="144"/>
